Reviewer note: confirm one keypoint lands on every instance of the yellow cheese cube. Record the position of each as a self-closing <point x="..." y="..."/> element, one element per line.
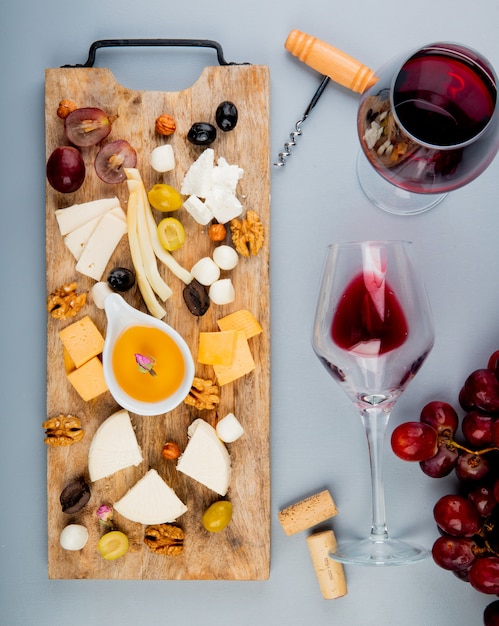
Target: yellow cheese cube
<point x="88" y="380"/>
<point x="241" y="320"/>
<point x="69" y="366"/>
<point x="82" y="340"/>
<point x="217" y="348"/>
<point x="243" y="362"/>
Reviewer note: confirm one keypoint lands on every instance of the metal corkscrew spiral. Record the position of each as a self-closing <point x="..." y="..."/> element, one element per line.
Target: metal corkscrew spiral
<point x="281" y="162"/>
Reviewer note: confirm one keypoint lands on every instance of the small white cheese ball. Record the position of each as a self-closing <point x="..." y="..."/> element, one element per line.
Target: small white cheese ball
<point x="162" y="158"/>
<point x="229" y="428"/>
<point x="100" y="291"/>
<point x="222" y="291"/>
<point x="73" y="537"/>
<point x="206" y="271"/>
<point x="225" y="257"/>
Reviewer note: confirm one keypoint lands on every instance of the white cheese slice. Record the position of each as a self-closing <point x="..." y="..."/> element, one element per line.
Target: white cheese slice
<point x="206" y="458"/>
<point x="101" y="245"/>
<point x="76" y="215"/>
<point x="151" y="501"/>
<point x="223" y="204"/>
<point x="198" y="179"/>
<point x="114" y="447"/>
<point x="77" y="239"/>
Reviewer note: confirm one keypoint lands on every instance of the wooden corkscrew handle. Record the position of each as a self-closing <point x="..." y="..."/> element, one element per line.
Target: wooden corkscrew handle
<point x="340" y="67"/>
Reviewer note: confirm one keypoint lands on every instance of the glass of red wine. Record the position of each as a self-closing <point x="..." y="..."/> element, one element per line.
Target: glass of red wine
<point x="373" y="330"/>
<point x="429" y="124"/>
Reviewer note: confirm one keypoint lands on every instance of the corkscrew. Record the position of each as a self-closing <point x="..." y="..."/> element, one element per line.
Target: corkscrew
<point x="333" y="64"/>
<point x="297" y="131"/>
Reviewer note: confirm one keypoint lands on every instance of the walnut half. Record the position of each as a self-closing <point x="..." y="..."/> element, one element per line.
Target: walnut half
<point x="247" y="234"/>
<point x="64" y="302"/>
<point x="204" y="394"/>
<point x="164" y="539"/>
<point x="63" y="430"/>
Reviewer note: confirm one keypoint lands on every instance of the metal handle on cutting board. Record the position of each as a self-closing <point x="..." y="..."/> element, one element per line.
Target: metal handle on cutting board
<point x="189" y="43"/>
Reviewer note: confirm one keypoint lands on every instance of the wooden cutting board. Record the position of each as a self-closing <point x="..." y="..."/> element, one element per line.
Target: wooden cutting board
<point x="242" y="550"/>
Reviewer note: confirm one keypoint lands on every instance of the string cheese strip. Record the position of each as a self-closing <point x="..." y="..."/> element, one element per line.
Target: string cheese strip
<point x="330" y="574"/>
<point x="145" y="288"/>
<point x="308" y="512"/>
<point x="163" y="255"/>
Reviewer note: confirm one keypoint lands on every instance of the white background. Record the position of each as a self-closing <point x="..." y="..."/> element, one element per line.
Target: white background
<point x="317" y="440"/>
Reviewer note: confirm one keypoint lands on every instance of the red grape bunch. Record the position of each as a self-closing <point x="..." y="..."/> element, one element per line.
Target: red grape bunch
<point x="468" y="521"/>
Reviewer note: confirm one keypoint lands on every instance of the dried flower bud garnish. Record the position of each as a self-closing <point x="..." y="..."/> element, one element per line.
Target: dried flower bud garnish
<point x="105" y="515"/>
<point x="145" y="364"/>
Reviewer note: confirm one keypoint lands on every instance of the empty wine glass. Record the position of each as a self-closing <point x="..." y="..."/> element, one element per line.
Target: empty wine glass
<point x="429" y="124"/>
<point x="373" y="330"/>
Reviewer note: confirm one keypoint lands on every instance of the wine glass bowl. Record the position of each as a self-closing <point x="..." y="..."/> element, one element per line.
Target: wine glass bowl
<point x="428" y="125"/>
<point x="373" y="330"/>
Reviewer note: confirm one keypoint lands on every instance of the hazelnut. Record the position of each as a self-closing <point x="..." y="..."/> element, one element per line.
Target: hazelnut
<point x="65" y="108"/>
<point x="165" y="125"/>
<point x="217" y="232"/>
<point x="170" y="451"/>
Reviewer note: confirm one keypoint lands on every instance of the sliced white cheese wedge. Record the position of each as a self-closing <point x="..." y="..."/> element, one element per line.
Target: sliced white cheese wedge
<point x="205" y="458"/>
<point x="198" y="180"/>
<point x="114" y="447"/>
<point x="101" y="245"/>
<point x="77" y="239"/>
<point x="76" y="215"/>
<point x="151" y="501"/>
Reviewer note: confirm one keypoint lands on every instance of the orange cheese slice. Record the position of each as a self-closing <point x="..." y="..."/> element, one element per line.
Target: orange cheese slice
<point x="242" y="364"/>
<point x="241" y="320"/>
<point x="82" y="340"/>
<point x="88" y="380"/>
<point x="217" y="348"/>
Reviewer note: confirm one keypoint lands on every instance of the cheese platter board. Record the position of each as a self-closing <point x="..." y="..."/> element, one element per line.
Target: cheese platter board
<point x="164" y="470"/>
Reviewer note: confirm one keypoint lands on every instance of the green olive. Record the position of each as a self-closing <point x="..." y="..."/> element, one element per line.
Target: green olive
<point x="113" y="545"/>
<point x="164" y="198"/>
<point x="217" y="516"/>
<point x="171" y="233"/>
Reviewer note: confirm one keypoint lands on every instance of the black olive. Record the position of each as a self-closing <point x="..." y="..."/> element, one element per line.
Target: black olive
<point x="121" y="279"/>
<point x="226" y="116"/>
<point x="196" y="298"/>
<point x="74" y="496"/>
<point x="202" y="134"/>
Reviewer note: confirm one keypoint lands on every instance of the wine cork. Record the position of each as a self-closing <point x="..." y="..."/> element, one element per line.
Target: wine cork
<point x="308" y="512"/>
<point x="330" y="574"/>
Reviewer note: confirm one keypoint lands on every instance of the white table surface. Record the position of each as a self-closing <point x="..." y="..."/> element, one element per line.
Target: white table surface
<point x="317" y="441"/>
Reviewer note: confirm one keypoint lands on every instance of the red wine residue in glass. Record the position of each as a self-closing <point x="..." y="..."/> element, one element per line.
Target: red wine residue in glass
<point x="358" y="321"/>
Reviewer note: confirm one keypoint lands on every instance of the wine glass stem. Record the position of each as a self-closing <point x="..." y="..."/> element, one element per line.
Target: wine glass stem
<point x="375" y="420"/>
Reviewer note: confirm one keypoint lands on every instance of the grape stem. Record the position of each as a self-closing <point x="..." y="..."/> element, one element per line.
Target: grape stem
<point x="448" y="441"/>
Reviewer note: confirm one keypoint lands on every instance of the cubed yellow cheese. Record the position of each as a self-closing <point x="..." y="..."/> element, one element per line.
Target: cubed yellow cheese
<point x="82" y="340"/>
<point x="243" y="362"/>
<point x="217" y="348"/>
<point x="241" y="320"/>
<point x="69" y="365"/>
<point x="88" y="380"/>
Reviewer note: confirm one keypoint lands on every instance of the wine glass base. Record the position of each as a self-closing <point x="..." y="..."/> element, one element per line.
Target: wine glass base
<point x="379" y="552"/>
<point x="390" y="198"/>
